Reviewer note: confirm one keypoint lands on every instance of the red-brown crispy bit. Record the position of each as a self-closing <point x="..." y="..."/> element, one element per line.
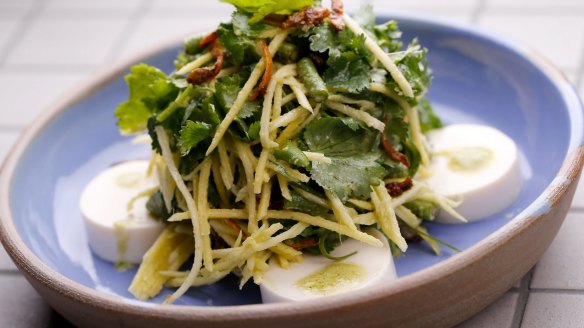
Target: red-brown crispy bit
<point x="302" y="244"/>
<point x="337" y="12"/>
<point x="337" y="22"/>
<point x="397" y="188"/>
<point x="394" y="154"/>
<point x="209" y="39"/>
<point x="267" y="73"/>
<point x="205" y="74"/>
<point x="306" y="17"/>
<point x="337" y="7"/>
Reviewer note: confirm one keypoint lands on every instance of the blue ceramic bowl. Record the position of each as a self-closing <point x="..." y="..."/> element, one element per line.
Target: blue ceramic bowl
<point x="479" y="77"/>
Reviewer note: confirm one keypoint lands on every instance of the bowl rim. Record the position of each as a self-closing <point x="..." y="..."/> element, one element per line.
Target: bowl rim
<point x="38" y="270"/>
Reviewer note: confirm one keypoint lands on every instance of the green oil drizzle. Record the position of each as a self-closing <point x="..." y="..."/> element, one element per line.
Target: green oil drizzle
<point x="467" y="159"/>
<point x="333" y="278"/>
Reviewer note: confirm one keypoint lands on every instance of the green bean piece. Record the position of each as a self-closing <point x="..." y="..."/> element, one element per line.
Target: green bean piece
<point x="292" y="155"/>
<point x="288" y="53"/>
<point x="311" y="79"/>
<point x="192" y="45"/>
<point x="425" y="210"/>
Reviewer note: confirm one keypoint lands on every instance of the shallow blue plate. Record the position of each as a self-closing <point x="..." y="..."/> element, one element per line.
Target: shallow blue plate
<point x="476" y="80"/>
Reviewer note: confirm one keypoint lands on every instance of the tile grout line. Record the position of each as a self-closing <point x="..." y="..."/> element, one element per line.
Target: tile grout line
<point x="22" y="28"/>
<point x="478" y="10"/>
<point x="557" y="291"/>
<point x="126" y="33"/>
<point x="522" y="300"/>
<point x="11" y="128"/>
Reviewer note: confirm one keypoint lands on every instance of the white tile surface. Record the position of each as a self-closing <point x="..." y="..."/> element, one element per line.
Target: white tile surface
<point x="15" y="8"/>
<point x="7" y="29"/>
<point x="6" y="263"/>
<point x="578" y="201"/>
<point x="561" y="38"/>
<point x="457" y="10"/>
<point x="90" y="8"/>
<point x="425" y="3"/>
<point x="31" y="93"/>
<point x="128" y="4"/>
<point x="67" y="42"/>
<point x="499" y="314"/>
<point x="562" y="266"/>
<point x="546" y="310"/>
<point x="188" y="8"/>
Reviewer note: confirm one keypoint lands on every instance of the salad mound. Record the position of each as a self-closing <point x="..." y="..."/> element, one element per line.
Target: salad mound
<point x="282" y="132"/>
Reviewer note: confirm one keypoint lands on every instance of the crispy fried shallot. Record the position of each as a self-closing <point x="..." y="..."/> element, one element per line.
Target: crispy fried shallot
<point x="394" y="154"/>
<point x="397" y="188"/>
<point x="206" y="74"/>
<point x="306" y="17"/>
<point x="267" y="73"/>
<point x="336" y="15"/>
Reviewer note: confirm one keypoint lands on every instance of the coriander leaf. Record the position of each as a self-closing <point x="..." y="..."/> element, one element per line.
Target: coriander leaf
<point x="348" y="176"/>
<point x="323" y="38"/>
<point x="242" y="27"/>
<point x="336" y="136"/>
<point x="226" y="91"/>
<point x="348" y="73"/>
<point x="191" y="134"/>
<point x="428" y="119"/>
<point x="388" y="36"/>
<point x="191" y="44"/>
<point x="413" y="65"/>
<point x="365" y="17"/>
<point x="398" y="134"/>
<point x="239" y="47"/>
<point x="254" y="131"/>
<point x="149" y="90"/>
<point x="354" y="43"/>
<point x="262" y="8"/>
<point x="132" y="116"/>
<point x="299" y="203"/>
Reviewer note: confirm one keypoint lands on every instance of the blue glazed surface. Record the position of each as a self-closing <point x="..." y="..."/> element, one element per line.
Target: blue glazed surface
<point x="476" y="80"/>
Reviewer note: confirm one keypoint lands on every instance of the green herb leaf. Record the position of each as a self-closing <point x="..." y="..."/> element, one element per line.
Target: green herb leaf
<point x="353" y="152"/>
<point x="388" y="36"/>
<point x="240" y="48"/>
<point x="262" y="8"/>
<point x="428" y="119"/>
<point x="150" y="89"/>
<point x="336" y="136"/>
<point x="348" y="73"/>
<point x="226" y="91"/>
<point x="191" y="134"/>
<point x="348" y="176"/>
<point x="413" y="64"/>
<point x="242" y="27"/>
<point x="299" y="203"/>
<point x="323" y="38"/>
